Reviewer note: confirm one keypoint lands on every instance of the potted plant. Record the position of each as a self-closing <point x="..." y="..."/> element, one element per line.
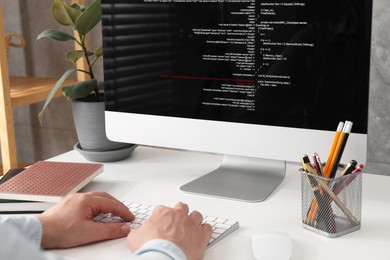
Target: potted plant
<point x="87" y="96"/>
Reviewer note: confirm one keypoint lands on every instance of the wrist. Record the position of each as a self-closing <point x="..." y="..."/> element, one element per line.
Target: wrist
<point x="48" y="233"/>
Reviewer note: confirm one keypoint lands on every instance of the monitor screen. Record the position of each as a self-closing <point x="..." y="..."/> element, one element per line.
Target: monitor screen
<point x="247" y="78"/>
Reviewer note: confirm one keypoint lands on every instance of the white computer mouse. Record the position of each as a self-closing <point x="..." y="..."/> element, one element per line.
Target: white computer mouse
<point x="272" y="246"/>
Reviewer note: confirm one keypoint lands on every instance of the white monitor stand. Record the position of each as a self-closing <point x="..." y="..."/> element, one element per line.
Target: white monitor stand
<point x="240" y="178"/>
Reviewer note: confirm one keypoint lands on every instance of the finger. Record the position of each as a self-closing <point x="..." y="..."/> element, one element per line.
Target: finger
<point x="197" y="217"/>
<point x="107" y="205"/>
<point x="101" y="194"/>
<point x="182" y="207"/>
<point x="104" y="231"/>
<point x="207" y="230"/>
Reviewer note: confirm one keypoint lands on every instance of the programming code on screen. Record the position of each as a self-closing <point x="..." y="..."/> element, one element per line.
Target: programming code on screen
<point x="287" y="63"/>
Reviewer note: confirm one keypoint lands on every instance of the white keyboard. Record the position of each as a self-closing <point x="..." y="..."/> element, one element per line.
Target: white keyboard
<point x="222" y="227"/>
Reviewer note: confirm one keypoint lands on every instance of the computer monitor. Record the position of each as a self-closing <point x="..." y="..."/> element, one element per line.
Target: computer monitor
<point x="262" y="82"/>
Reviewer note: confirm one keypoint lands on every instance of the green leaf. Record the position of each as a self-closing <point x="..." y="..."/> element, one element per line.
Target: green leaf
<point x="99" y="51"/>
<point x="55" y="35"/>
<point x="54" y="91"/>
<point x="89" y="18"/>
<point x="74" y="56"/>
<point x="79" y="89"/>
<point x="65" y="14"/>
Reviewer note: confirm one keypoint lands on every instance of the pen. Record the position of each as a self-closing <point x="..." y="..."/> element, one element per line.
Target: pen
<point x="347" y="181"/>
<point x="307" y="165"/>
<point x="349" y="168"/>
<point x="338" y="153"/>
<point x="311" y="214"/>
<point x="334" y="197"/>
<point x="319" y="205"/>
<point x="317" y="164"/>
<point x="313" y="210"/>
<point x="332" y="149"/>
<point x="358" y="168"/>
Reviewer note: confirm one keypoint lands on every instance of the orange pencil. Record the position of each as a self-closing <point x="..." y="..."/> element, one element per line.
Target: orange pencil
<point x="338" y="153"/>
<point x="311" y="215"/>
<point x="328" y="166"/>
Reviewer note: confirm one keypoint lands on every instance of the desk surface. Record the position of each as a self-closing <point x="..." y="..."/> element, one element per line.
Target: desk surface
<point x="153" y="176"/>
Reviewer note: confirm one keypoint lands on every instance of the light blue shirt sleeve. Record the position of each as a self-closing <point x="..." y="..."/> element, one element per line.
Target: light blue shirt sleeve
<point x="21" y="238"/>
<point x="28" y="225"/>
<point x="163" y="248"/>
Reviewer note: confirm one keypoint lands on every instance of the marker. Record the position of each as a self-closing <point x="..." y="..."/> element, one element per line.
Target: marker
<point x="350" y="167"/>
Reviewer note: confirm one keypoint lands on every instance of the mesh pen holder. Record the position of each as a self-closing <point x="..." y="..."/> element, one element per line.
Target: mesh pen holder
<point x="331" y="206"/>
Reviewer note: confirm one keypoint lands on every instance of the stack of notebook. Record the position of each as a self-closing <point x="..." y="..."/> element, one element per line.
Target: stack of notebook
<point x="41" y="185"/>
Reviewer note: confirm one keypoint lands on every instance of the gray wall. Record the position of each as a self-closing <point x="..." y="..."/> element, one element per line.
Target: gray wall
<point x="379" y="111"/>
<point x="45" y="58"/>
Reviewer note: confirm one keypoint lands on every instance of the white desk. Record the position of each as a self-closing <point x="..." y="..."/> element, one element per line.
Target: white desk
<point x="153" y="176"/>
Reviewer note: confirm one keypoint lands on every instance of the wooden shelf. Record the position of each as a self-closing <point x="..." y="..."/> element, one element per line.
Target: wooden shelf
<point x="17" y="92"/>
<point x="29" y="90"/>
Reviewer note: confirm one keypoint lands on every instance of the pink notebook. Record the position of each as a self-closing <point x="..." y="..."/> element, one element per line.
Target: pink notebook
<point x="49" y="181"/>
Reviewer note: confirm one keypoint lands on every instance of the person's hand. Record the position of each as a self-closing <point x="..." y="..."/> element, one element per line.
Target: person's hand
<point x="176" y="225"/>
<point x="69" y="223"/>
